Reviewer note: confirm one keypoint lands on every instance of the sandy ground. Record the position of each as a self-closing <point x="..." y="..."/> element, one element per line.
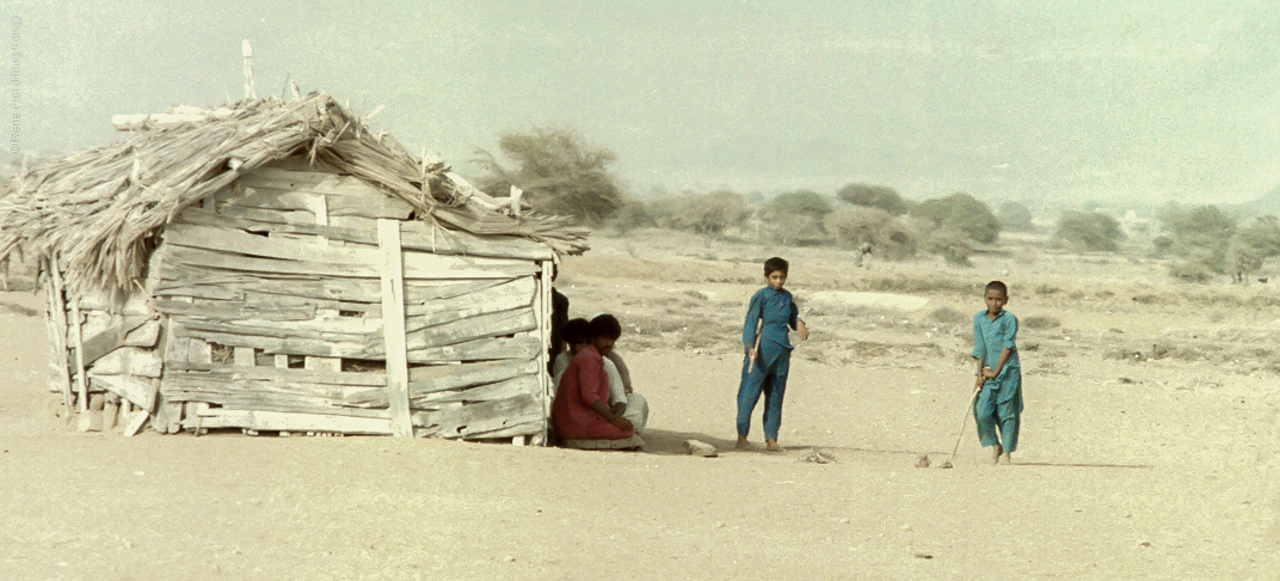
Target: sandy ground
<point x="1148" y="451"/>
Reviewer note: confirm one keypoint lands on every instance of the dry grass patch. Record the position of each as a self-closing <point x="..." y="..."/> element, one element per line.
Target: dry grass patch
<point x="1039" y="322"/>
<point x="948" y="315"/>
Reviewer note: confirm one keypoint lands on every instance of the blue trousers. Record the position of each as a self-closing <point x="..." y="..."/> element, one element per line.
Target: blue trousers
<point x="998" y="407"/>
<point x="758" y="381"/>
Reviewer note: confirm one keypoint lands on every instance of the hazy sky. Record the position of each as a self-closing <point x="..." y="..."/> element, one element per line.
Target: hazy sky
<point x="1049" y="102"/>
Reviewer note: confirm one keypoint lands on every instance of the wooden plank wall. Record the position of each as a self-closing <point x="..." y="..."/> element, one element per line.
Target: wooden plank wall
<point x="291" y="306"/>
<point x="102" y="353"/>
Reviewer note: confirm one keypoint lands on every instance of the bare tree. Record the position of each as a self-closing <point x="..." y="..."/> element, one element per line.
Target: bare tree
<point x="560" y="172"/>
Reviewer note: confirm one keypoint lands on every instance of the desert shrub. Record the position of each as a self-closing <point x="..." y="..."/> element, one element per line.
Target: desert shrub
<point x="706" y="214"/>
<point x="1191" y="271"/>
<point x="1262" y="234"/>
<point x="796" y="218"/>
<point x="632" y="215"/>
<point x="1046" y="289"/>
<point x="789" y="229"/>
<point x="559" y="171"/>
<point x="1040" y="322"/>
<point x="889" y="236"/>
<point x="1252" y="245"/>
<point x="872" y="196"/>
<point x="662" y="210"/>
<point x="802" y="202"/>
<point x="1015" y="217"/>
<point x="1088" y="231"/>
<point x="948" y="316"/>
<point x="952" y="245"/>
<point x="1242" y="258"/>
<point x="964" y="214"/>
<point x="1161" y="246"/>
<point x="1200" y="234"/>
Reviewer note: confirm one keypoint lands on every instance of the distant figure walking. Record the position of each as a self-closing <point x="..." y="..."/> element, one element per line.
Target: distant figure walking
<point x="861" y="253"/>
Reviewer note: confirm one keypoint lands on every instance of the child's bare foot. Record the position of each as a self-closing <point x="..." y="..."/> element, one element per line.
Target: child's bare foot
<point x="772" y="445"/>
<point x="1008" y="458"/>
<point x="743" y="444"/>
<point x="996" y="450"/>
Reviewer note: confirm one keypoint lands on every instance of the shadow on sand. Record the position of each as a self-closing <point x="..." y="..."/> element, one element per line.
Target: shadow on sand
<point x="668" y="442"/>
<point x="672" y="443"/>
<point x="938" y="457"/>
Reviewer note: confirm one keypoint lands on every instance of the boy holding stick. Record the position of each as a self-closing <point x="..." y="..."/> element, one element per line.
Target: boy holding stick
<point x="999" y="375"/>
<point x="768" y="353"/>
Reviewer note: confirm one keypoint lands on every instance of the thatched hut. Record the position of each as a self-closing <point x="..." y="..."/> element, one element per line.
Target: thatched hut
<point x="277" y="266"/>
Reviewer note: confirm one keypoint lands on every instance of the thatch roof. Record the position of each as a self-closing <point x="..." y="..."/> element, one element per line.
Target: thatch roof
<point x="98" y="211"/>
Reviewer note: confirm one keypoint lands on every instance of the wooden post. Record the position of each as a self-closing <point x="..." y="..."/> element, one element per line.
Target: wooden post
<point x="82" y="382"/>
<point x="58" y="334"/>
<point x="247" y="50"/>
<point x="320" y="207"/>
<point x="109" y="411"/>
<point x="543" y="300"/>
<point x="393" y="331"/>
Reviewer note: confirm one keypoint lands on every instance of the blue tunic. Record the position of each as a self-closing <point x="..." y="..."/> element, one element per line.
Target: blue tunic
<point x="990" y="338"/>
<point x="779" y="314"/>
<point x="775" y="313"/>
<point x="999" y="404"/>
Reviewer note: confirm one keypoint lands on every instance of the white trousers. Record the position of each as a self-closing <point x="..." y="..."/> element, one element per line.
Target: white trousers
<point x="637" y="411"/>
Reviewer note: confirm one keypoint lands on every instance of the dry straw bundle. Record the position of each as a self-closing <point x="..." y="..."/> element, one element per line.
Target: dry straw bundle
<point x="98" y="211"/>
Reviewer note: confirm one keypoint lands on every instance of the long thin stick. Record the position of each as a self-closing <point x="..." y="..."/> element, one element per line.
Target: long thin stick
<point x="963" y="423"/>
<point x="755" y="350"/>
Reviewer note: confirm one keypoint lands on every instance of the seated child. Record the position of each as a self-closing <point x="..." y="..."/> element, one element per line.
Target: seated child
<point x="581" y="409"/>
<point x="622" y="400"/>
<point x="633" y="405"/>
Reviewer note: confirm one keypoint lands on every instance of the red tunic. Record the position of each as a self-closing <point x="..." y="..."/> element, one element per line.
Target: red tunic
<point x="584" y="382"/>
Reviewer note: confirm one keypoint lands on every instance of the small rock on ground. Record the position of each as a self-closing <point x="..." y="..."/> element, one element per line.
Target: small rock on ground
<point x="697" y="448"/>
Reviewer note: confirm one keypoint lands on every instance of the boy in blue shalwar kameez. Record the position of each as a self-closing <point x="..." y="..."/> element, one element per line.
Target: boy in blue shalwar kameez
<point x="764" y="369"/>
<point x="998" y="405"/>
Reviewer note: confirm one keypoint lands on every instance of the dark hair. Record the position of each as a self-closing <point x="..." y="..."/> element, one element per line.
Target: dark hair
<point x="775" y="264"/>
<point x="577" y="331"/>
<point x="606" y="325"/>
<point x="997" y="285"/>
